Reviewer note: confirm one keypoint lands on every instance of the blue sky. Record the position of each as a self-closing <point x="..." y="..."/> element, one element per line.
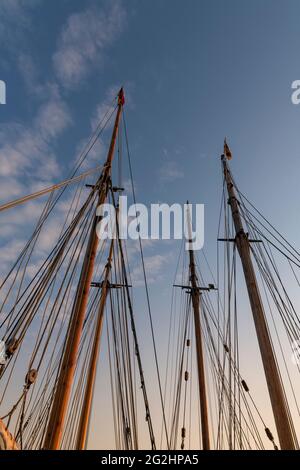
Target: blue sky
<point x="193" y="71"/>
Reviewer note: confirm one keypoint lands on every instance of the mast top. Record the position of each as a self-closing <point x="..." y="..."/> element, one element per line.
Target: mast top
<point x="227" y="152"/>
<point x="121" y="97"/>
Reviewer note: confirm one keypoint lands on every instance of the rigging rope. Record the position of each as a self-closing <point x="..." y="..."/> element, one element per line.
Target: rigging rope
<point x="50" y="189"/>
<point x="147" y="290"/>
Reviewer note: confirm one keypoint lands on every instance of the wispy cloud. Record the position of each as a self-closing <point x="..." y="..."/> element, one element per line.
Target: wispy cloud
<point x="53" y="117"/>
<point x="155" y="266"/>
<point x="30" y="74"/>
<point x="17" y="224"/>
<point x="15" y="20"/>
<point x="170" y="171"/>
<point x="11" y="187"/>
<point x="27" y="150"/>
<point x="105" y="108"/>
<point x="84" y="40"/>
<point x="17" y="8"/>
<point x="13" y="225"/>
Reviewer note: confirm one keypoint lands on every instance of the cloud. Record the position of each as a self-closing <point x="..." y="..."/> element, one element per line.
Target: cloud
<point x="18" y="224"/>
<point x="155" y="266"/>
<point x="15" y="20"/>
<point x="84" y="40"/>
<point x="10" y="251"/>
<point x="27" y="155"/>
<point x="26" y="150"/>
<point x="53" y="117"/>
<point x="95" y="156"/>
<point x="17" y="8"/>
<point x="127" y="185"/>
<point x="170" y="171"/>
<point x="21" y="215"/>
<point x="31" y="76"/>
<point x="19" y="147"/>
<point x="105" y="108"/>
<point x="16" y="26"/>
<point x="11" y="188"/>
<point x="13" y="229"/>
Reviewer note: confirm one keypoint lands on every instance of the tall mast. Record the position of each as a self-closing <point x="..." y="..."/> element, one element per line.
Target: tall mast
<point x="276" y="392"/>
<point x="92" y="369"/>
<point x="67" y="369"/>
<point x="196" y="302"/>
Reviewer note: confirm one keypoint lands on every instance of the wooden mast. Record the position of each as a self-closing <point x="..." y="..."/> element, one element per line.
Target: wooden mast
<point x="196" y="302"/>
<point x="276" y="391"/>
<point x="67" y="369"/>
<point x="92" y="369"/>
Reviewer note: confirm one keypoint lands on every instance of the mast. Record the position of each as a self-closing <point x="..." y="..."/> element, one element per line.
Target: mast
<point x="196" y="302"/>
<point x="67" y="369"/>
<point x="92" y="369"/>
<point x="276" y="392"/>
